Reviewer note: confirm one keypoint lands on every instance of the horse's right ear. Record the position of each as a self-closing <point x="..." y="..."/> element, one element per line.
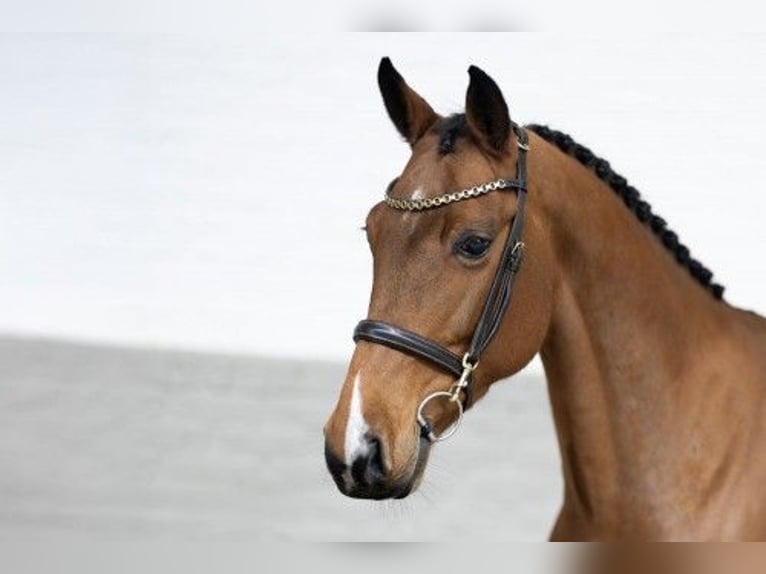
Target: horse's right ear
<point x="410" y="113"/>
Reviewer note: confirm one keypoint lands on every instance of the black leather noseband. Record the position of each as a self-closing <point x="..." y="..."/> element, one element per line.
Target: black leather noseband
<point x="495" y="306"/>
<point x="408" y="342"/>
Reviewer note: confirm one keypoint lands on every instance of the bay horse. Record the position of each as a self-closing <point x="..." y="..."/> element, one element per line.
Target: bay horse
<point x="657" y="385"/>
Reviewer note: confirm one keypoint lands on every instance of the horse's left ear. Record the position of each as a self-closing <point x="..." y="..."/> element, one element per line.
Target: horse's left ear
<point x="486" y="111"/>
<point x="410" y="113"/>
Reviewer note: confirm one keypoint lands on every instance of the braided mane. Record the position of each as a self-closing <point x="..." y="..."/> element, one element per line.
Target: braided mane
<point x="632" y="199"/>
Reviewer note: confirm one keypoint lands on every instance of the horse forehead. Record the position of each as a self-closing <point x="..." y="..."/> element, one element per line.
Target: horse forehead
<point x="425" y="177"/>
<point x="430" y="166"/>
<point x="436" y="178"/>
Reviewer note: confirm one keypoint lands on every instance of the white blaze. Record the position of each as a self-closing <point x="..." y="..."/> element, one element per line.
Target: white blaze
<point x="418" y="194"/>
<point x="356" y="427"/>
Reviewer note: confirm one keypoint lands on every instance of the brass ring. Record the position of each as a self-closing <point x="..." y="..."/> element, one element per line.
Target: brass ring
<point x="425" y="424"/>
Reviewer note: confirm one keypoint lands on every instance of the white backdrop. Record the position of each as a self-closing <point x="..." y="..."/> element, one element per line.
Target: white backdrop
<point x="208" y="193"/>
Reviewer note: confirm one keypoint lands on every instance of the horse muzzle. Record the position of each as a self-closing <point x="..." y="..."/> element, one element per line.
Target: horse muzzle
<point x="367" y="475"/>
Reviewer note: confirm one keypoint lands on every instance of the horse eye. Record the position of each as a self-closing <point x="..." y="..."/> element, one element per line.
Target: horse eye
<point x="473" y="246"/>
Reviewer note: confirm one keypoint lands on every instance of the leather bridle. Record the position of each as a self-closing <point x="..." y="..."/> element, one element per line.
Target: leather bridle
<point x="494" y="309"/>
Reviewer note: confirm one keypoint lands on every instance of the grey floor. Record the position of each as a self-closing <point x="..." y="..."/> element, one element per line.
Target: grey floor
<point x="146" y="443"/>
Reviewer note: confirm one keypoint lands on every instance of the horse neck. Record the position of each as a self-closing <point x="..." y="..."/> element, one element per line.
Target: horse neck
<point x="628" y="323"/>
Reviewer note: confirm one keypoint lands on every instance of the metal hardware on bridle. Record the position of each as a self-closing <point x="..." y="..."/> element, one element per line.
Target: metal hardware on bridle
<point x="492" y="313"/>
<point x="453" y="395"/>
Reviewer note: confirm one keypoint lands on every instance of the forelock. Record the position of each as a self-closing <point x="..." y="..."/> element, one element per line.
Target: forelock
<point x="449" y="130"/>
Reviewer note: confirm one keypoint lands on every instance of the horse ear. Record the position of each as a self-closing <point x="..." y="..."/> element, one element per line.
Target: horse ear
<point x="410" y="113"/>
<point x="486" y="111"/>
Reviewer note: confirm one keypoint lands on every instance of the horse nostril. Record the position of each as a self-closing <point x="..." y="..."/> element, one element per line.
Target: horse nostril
<point x="376" y="467"/>
<point x="334" y="465"/>
<point x="368" y="469"/>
